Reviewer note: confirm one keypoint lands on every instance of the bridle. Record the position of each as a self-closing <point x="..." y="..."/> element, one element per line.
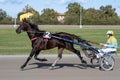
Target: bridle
<point x="35" y="38"/>
<point x="28" y="31"/>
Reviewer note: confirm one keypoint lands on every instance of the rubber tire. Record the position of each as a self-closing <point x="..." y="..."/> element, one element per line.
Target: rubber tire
<point x="107" y="63"/>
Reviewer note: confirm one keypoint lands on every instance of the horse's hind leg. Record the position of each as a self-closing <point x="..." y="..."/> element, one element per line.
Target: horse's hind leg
<point x="60" y="51"/>
<point x="77" y="52"/>
<point x="79" y="55"/>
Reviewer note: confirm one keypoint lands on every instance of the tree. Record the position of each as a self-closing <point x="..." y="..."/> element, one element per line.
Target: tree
<point x="49" y="16"/>
<point x="103" y="16"/>
<point x="108" y="11"/>
<point x="72" y="16"/>
<point x="35" y="18"/>
<point x="91" y="16"/>
<point x="3" y="14"/>
<point x="109" y="15"/>
<point x="4" y="18"/>
<point x="7" y="20"/>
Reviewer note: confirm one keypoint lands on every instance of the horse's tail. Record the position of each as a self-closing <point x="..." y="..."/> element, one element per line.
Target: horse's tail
<point x="73" y="36"/>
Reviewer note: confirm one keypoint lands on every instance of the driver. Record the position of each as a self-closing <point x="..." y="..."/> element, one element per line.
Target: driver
<point x="111" y="44"/>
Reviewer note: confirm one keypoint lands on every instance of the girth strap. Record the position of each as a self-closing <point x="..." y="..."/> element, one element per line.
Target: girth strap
<point x="45" y="43"/>
<point x="33" y="39"/>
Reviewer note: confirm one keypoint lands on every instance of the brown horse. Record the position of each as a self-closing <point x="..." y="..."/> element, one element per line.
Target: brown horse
<point x="39" y="43"/>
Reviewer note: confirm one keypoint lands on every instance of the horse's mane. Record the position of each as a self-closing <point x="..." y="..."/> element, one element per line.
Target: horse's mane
<point x="35" y="27"/>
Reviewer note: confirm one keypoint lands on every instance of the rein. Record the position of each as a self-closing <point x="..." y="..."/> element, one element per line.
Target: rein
<point x="41" y="32"/>
<point x="94" y="42"/>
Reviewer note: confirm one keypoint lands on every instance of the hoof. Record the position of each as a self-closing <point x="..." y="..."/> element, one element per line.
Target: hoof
<point x="84" y="62"/>
<point x="100" y="69"/>
<point x="22" y="67"/>
<point x="111" y="69"/>
<point x="44" y="59"/>
<point x="51" y="68"/>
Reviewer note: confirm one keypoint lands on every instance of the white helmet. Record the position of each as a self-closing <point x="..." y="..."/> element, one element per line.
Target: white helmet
<point x="110" y="32"/>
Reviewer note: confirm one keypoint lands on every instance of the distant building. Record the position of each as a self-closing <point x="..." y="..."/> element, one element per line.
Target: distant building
<point x="26" y="15"/>
<point x="61" y="17"/>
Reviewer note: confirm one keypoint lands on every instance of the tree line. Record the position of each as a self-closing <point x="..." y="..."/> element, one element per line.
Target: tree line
<point x="105" y="15"/>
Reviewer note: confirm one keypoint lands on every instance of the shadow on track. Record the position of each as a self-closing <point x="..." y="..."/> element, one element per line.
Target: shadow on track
<point x="59" y="65"/>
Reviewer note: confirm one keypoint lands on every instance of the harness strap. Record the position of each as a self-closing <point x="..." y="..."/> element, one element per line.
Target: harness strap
<point x="45" y="43"/>
<point x="33" y="39"/>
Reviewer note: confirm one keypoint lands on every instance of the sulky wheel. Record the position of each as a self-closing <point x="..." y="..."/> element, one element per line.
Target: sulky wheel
<point x="89" y="53"/>
<point x="107" y="62"/>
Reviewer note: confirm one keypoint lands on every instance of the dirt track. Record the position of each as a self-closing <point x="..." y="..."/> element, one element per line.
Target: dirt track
<point x="65" y="69"/>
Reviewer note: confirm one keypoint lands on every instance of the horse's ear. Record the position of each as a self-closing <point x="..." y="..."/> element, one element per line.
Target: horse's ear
<point x="24" y="20"/>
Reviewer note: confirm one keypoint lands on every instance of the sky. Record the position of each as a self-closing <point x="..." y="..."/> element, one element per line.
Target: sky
<point x="13" y="7"/>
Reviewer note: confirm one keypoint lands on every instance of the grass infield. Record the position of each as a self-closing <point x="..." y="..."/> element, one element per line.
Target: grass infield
<point x="12" y="43"/>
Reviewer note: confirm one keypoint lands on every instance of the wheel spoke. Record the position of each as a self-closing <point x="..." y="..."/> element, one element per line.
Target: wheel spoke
<point x="107" y="62"/>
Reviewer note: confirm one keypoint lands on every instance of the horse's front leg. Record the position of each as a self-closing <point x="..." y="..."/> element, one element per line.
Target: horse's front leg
<point x="36" y="56"/>
<point x="29" y="58"/>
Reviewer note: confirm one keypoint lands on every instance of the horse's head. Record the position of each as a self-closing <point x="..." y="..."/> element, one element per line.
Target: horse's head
<point x="24" y="26"/>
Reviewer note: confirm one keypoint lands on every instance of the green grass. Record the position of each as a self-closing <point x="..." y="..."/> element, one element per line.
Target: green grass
<point x="12" y="43"/>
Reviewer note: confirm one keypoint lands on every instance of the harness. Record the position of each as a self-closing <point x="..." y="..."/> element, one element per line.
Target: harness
<point x="46" y="36"/>
<point x="33" y="39"/>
